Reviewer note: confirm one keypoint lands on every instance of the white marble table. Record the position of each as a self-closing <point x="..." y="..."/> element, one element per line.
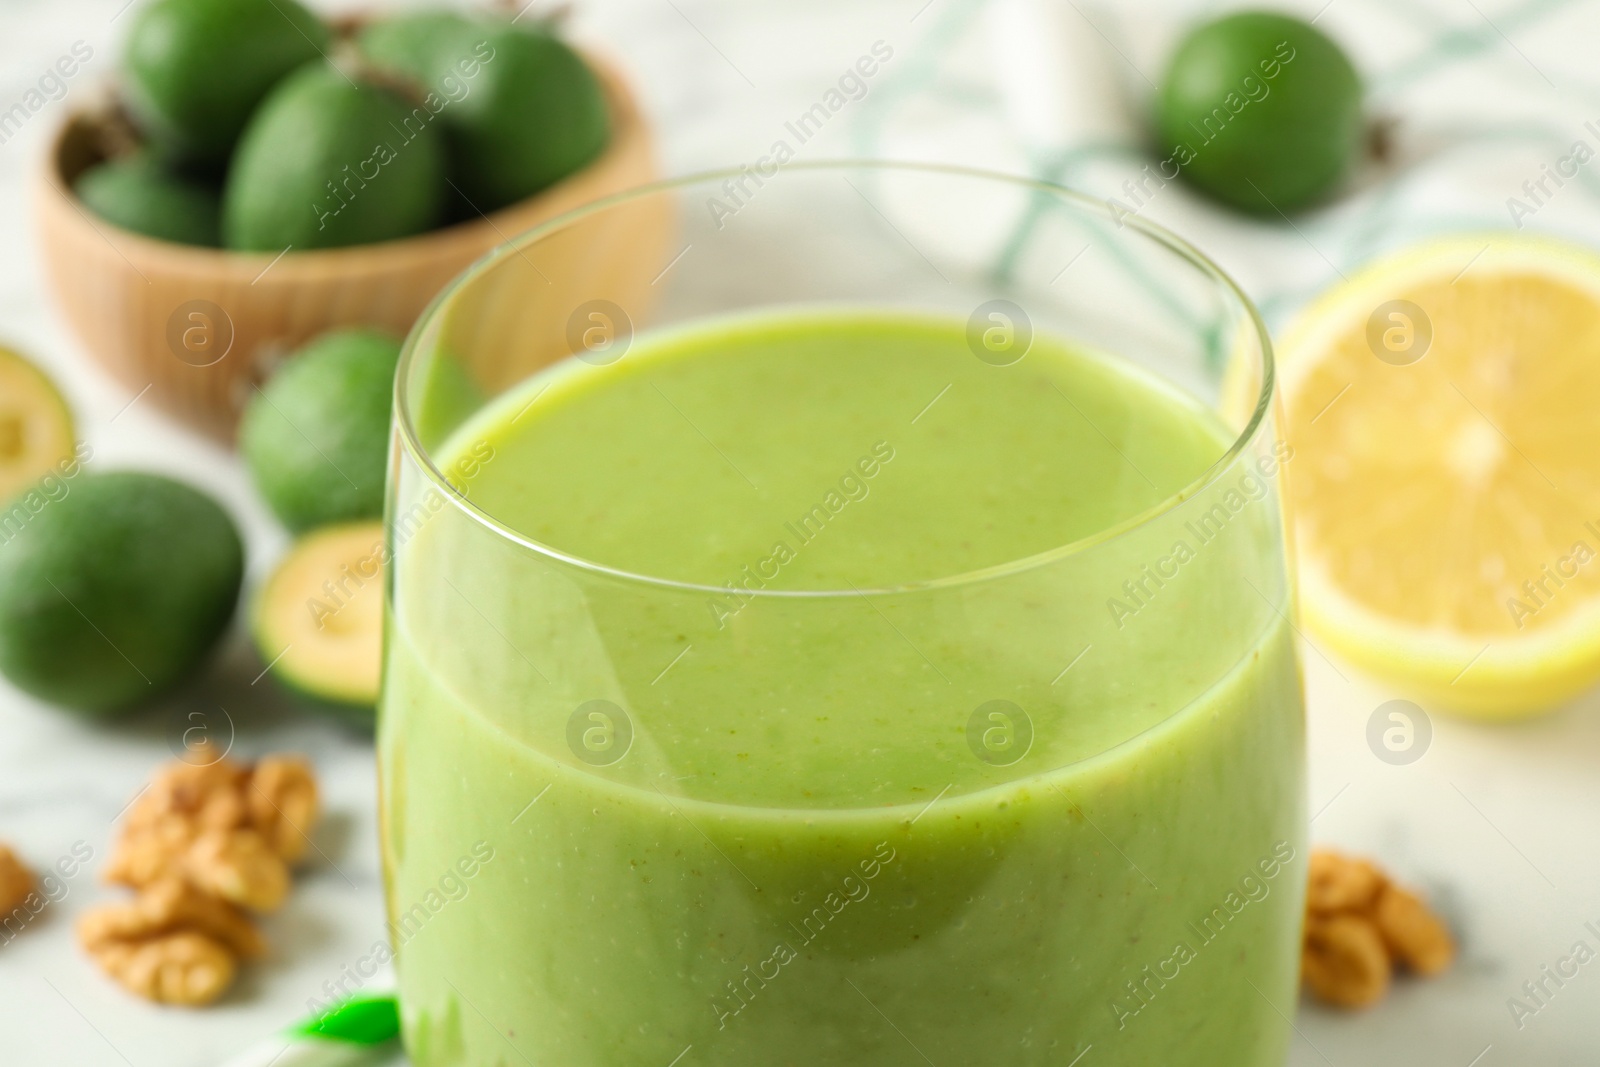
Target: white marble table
<point x="1498" y="823"/>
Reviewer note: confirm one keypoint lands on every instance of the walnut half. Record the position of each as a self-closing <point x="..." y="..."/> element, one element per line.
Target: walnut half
<point x="184" y="968"/>
<point x="16" y="881"/>
<point x="1359" y="925"/>
<point x="172" y="943"/>
<point x="165" y="907"/>
<point x="229" y="829"/>
<point x="282" y="801"/>
<point x="1335" y="882"/>
<point x="1415" y="936"/>
<point x="238" y="866"/>
<point x="1344" y="961"/>
<point x="207" y="840"/>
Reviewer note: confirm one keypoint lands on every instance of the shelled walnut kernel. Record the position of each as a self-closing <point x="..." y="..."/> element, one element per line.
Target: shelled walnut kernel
<point x="205" y="843"/>
<point x="1359" y="925"/>
<point x="16" y="881"/>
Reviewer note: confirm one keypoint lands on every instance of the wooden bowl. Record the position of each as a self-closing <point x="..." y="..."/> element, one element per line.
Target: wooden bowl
<point x="199" y="327"/>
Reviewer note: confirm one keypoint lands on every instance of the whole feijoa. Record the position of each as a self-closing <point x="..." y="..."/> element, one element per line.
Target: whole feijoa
<point x="116" y="590"/>
<point x="196" y="69"/>
<point x="316" y="437"/>
<point x="522" y="109"/>
<point x="422" y="45"/>
<point x="141" y="194"/>
<point x="1260" y="110"/>
<point x="331" y="160"/>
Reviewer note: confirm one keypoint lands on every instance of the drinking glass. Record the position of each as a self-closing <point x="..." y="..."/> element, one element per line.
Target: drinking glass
<point x="1046" y="812"/>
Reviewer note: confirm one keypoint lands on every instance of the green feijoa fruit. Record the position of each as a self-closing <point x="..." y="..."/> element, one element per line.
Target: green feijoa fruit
<point x="1260" y="110"/>
<point x="523" y="109"/>
<point x="419" y="45"/>
<point x="316" y="437"/>
<point x="36" y="440"/>
<point x="318" y="619"/>
<point x="140" y="194"/>
<point x="330" y="161"/>
<point x="414" y="49"/>
<point x="116" y="590"/>
<point x="197" y="69"/>
<point x="537" y="115"/>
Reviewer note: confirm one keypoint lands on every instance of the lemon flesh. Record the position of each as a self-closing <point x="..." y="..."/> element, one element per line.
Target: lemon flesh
<point x="1446" y="473"/>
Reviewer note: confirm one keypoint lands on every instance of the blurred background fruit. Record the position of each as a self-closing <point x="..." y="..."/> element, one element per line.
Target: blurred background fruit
<point x="329" y="161"/>
<point x="116" y="591"/>
<point x="240" y="97"/>
<point x="316" y="436"/>
<point x="354" y="195"/>
<point x="139" y="194"/>
<point x="1269" y="108"/>
<point x="532" y="114"/>
<point x="196" y="69"/>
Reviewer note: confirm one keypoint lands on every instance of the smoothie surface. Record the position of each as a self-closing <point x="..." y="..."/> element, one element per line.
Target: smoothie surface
<point x="702" y="451"/>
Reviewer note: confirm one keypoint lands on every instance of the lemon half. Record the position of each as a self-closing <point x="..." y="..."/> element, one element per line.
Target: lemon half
<point x="1444" y="409"/>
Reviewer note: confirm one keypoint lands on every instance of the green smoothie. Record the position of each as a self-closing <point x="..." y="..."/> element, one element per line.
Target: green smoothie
<point x="804" y="690"/>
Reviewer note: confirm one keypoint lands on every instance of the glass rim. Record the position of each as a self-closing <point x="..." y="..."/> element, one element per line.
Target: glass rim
<point x="407" y="433"/>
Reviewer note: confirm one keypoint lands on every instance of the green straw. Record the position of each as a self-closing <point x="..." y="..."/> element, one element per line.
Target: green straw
<point x="347" y="1033"/>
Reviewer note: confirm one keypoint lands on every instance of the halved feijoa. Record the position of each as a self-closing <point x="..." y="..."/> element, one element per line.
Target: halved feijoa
<point x="35" y="426"/>
<point x="318" y="619"/>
